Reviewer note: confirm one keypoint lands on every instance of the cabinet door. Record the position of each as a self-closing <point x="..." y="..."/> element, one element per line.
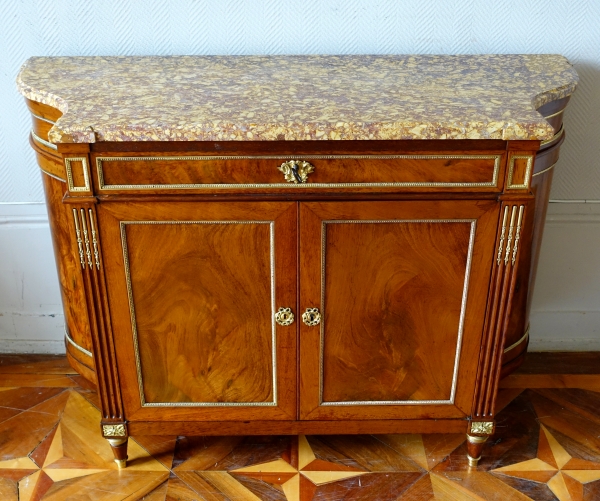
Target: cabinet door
<point x="401" y="288"/>
<point x="193" y="289"/>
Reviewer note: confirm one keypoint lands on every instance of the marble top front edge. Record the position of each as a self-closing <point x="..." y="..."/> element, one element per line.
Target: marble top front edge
<point x="271" y="98"/>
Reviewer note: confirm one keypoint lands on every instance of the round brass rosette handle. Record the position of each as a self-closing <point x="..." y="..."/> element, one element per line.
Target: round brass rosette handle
<point x="284" y="316"/>
<point x="296" y="171"/>
<point x="311" y="317"/>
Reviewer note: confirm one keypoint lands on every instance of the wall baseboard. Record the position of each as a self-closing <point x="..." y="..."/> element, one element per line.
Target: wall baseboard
<point x="565" y="311"/>
<point x="31" y="314"/>
<point x="32" y="346"/>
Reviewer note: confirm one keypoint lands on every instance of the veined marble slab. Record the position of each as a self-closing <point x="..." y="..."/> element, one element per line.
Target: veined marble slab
<point x="270" y="98"/>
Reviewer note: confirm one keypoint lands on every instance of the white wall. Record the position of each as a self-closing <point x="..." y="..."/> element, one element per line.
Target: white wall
<point x="566" y="304"/>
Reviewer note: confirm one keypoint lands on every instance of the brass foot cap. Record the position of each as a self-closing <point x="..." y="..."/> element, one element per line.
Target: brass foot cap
<point x="121" y="463"/>
<point x="473" y="461"/>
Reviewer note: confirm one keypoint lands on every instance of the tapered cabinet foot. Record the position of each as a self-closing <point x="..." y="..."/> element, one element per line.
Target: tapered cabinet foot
<point x="474" y="448"/>
<point x="119" y="448"/>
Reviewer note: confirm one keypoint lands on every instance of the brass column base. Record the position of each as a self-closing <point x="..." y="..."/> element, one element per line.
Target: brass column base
<point x="474" y="447"/>
<point x="473" y="461"/>
<point x="119" y="448"/>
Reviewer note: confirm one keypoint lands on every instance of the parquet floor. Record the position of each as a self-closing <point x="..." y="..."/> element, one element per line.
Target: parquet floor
<point x="547" y="447"/>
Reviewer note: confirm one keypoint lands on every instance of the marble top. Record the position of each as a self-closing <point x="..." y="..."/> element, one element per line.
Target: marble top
<point x="268" y="98"/>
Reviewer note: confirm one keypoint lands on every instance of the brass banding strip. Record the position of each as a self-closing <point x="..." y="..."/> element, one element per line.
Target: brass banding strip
<point x="75" y="345"/>
<point x="492" y="184"/>
<point x="555" y="114"/>
<point x="272" y="403"/>
<point x="47" y="144"/>
<point x="43" y="119"/>
<point x="514" y="345"/>
<point x="476" y="439"/>
<point x="450" y="400"/>
<point x="53" y="175"/>
<point x="554" y="137"/>
<point x="545" y="170"/>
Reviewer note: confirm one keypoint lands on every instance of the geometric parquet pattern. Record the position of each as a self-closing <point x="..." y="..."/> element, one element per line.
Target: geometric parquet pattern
<point x="546" y="447"/>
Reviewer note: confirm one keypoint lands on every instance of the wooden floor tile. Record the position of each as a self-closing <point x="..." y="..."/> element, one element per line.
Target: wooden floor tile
<point x="583" y="381"/>
<point x="23" y="432"/>
<point x="34" y="364"/>
<point x="158" y="494"/>
<point x="8" y="489"/>
<point x="161" y="448"/>
<point x="583" y="402"/>
<point x="37" y="380"/>
<point x="180" y="491"/>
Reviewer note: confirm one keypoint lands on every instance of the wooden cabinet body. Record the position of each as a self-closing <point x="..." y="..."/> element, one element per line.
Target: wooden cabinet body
<point x="412" y="282"/>
<point x="289" y="286"/>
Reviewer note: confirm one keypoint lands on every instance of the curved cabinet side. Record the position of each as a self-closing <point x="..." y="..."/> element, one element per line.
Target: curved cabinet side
<point x="517" y="338"/>
<point x="78" y="341"/>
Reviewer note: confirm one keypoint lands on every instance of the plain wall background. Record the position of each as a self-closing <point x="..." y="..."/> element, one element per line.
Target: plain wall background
<point x="566" y="308"/>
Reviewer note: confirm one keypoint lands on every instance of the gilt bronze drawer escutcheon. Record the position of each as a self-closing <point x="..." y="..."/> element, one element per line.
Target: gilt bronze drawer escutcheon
<point x="284" y="316"/>
<point x="296" y="171"/>
<point x="311" y="317"/>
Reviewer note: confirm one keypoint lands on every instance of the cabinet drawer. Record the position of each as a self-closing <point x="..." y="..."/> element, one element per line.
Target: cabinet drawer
<point x="443" y="172"/>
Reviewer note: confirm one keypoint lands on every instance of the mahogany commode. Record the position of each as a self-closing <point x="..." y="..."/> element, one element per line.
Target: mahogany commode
<point x="297" y="244"/>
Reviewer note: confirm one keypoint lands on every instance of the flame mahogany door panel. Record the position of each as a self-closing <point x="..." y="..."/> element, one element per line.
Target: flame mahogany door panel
<point x="401" y="288"/>
<point x="193" y="289"/>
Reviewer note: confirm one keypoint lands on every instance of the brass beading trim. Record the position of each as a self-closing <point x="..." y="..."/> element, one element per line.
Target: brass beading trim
<point x="511" y="168"/>
<point x="86" y="177"/>
<point x="75" y="345"/>
<point x="491" y="184"/>
<point x="523" y="338"/>
<point x="38" y="139"/>
<point x="450" y="401"/>
<point x="138" y="362"/>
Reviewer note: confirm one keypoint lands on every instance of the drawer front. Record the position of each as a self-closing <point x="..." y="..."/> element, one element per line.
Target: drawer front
<point x="443" y="172"/>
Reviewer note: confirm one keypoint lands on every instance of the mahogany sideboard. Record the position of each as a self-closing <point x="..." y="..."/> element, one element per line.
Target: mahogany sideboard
<point x="297" y="244"/>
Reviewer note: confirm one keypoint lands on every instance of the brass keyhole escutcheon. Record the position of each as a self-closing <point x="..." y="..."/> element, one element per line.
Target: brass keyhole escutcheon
<point x="311" y="317"/>
<point x="296" y="171"/>
<point x="284" y="316"/>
